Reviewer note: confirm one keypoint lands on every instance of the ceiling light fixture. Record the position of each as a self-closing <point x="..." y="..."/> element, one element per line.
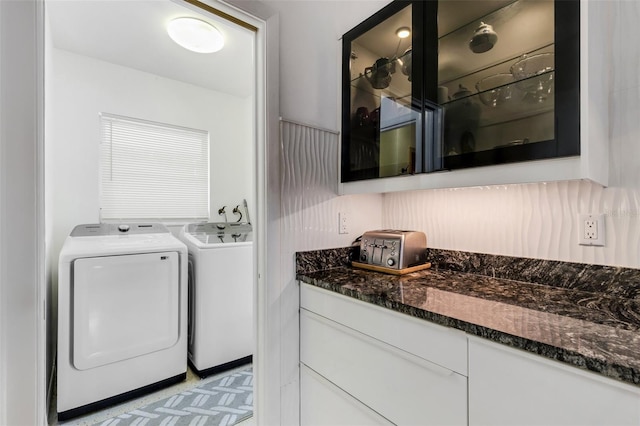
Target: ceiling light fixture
<point x="195" y="35"/>
<point x="403" y="32"/>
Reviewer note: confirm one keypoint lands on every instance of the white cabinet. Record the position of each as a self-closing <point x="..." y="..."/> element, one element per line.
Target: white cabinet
<point x="596" y="62"/>
<point x="512" y="387"/>
<point x="326" y="404"/>
<point x="404" y="370"/>
<point x="363" y="364"/>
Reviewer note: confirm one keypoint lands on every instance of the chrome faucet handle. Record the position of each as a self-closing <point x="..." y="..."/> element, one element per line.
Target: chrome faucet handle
<point x="236" y="211"/>
<point x="223" y="212"/>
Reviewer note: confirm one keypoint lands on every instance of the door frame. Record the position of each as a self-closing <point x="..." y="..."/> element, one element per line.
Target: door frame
<point x="266" y="163"/>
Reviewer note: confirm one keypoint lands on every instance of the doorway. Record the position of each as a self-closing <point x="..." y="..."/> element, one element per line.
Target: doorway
<point x="128" y="66"/>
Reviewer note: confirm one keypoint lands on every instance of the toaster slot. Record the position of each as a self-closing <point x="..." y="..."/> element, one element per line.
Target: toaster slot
<point x="383" y="252"/>
<point x="377" y="252"/>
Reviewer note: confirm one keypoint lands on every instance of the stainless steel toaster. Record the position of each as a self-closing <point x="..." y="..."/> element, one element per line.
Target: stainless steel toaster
<point x="393" y="249"/>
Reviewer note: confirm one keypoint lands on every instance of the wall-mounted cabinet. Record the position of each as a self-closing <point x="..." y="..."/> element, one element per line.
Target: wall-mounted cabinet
<point x="472" y="92"/>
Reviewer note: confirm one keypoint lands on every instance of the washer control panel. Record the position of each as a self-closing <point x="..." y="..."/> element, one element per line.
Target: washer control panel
<point x="101" y="229"/>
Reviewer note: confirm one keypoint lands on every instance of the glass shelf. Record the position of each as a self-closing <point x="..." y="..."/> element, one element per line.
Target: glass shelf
<point x="503" y="98"/>
<point x="526" y="115"/>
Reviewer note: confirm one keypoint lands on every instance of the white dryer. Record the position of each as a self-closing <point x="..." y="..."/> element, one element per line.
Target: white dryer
<point x="122" y="314"/>
<point x="220" y="295"/>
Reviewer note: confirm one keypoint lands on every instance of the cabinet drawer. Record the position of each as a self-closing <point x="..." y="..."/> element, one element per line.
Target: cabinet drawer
<point x="345" y="410"/>
<point x="402" y="387"/>
<point x="511" y="387"/>
<point x="443" y="346"/>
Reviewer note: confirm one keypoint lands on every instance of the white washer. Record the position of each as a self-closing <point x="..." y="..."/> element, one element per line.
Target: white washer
<point x="220" y="295"/>
<point x="122" y="314"/>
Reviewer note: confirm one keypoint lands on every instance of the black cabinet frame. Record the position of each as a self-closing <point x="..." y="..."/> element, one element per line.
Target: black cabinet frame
<point x="566" y="140"/>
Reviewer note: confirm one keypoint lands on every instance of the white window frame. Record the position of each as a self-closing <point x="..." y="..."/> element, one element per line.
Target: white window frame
<point x="144" y="187"/>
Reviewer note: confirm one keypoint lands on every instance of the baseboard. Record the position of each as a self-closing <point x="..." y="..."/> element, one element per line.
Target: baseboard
<point x="85" y="409"/>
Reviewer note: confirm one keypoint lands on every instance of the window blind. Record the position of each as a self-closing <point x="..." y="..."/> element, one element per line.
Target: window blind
<point x="152" y="170"/>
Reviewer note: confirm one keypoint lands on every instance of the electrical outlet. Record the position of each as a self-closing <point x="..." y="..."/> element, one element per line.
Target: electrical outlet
<point x="343" y="223"/>
<point x="591" y="229"/>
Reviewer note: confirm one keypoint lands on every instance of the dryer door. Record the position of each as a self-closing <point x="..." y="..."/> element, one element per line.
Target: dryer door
<point x="124" y="306"/>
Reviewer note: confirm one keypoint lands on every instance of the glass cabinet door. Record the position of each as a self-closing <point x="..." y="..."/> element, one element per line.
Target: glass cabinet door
<point x="504" y="70"/>
<point x="382" y="92"/>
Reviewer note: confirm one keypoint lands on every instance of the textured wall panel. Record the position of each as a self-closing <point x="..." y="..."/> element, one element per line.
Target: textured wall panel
<point x="535" y="220"/>
<point x="310" y="204"/>
<point x="310" y="207"/>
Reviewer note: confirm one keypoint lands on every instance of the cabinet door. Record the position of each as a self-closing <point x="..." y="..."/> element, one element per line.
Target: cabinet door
<point x="511" y="387"/>
<point x="382" y="94"/>
<point x="400" y="386"/>
<point x="508" y="76"/>
<point x="323" y="403"/>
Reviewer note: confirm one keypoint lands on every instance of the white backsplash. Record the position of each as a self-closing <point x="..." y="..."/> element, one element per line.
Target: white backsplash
<point x="534" y="220"/>
<point x="310" y="204"/>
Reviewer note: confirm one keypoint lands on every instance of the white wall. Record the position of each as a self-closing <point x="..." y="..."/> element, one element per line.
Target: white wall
<point x="534" y="220"/>
<point x="83" y="87"/>
<point x="21" y="217"/>
<point x="50" y="259"/>
<point x="310" y="52"/>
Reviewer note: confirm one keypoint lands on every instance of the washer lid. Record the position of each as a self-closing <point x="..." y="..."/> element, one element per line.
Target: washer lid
<point x="213" y="233"/>
<point x="218" y="228"/>
<point x="96" y="229"/>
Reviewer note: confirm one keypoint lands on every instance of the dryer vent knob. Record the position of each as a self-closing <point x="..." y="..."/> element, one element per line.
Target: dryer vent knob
<point x="123" y="228"/>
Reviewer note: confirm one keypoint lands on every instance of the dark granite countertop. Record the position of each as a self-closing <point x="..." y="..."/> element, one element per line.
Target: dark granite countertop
<point x="587" y="316"/>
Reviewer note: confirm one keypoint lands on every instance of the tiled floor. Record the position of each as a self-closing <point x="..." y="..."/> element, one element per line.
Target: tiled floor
<point x="98" y="417"/>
